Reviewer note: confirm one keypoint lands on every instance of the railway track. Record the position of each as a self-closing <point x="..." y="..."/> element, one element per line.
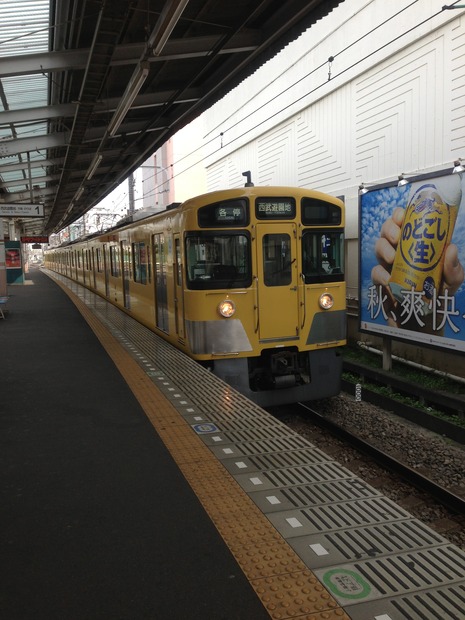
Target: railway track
<point x="445" y="497"/>
<point x="415" y="464"/>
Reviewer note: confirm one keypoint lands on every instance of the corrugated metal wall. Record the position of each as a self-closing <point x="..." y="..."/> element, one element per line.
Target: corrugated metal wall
<point x="404" y="113"/>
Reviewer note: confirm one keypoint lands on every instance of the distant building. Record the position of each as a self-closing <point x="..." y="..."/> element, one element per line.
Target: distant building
<point x="157" y="178"/>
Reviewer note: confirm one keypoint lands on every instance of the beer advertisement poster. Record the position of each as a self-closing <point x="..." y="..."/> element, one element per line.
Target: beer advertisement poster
<point x="412" y="259"/>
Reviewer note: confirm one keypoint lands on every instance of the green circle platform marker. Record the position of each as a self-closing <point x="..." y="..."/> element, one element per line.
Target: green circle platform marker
<point x="346" y="583"/>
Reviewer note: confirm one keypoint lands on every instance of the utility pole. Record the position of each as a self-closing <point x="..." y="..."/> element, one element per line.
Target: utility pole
<point x="131" y="182"/>
<point x="3" y="286"/>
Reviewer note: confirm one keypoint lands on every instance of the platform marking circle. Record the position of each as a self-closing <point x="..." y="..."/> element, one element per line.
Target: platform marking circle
<point x="346" y="583"/>
<point x="207" y="427"/>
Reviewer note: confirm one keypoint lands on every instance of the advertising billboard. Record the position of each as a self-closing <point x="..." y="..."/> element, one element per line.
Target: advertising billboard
<point x="412" y="258"/>
<point x="13" y="263"/>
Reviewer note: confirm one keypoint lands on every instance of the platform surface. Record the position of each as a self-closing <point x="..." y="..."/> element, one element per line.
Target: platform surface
<point x="97" y="521"/>
<point x="136" y="484"/>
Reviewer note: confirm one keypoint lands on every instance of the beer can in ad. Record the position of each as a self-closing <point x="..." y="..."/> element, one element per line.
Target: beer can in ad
<point x="426" y="232"/>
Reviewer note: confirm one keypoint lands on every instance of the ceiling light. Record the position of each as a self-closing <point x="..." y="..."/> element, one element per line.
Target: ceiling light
<point x="165" y="25"/>
<point x="94" y="165"/>
<point x="132" y="90"/>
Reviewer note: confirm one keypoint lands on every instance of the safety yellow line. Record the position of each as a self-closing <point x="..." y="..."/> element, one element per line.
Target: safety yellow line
<point x="285" y="586"/>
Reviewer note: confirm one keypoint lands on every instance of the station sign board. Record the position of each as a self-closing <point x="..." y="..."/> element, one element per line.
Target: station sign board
<point x="16" y="209"/>
<point x="412" y="261"/>
<point x="34" y="239"/>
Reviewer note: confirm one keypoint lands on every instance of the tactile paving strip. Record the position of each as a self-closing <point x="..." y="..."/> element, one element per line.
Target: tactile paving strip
<point x="344" y="520"/>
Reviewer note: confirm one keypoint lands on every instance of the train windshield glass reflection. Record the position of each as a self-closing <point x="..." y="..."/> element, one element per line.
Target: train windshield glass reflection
<point x="323" y="256"/>
<point x="218" y="260"/>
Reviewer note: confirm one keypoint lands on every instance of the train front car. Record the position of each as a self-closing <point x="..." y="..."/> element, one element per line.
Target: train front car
<point x="264" y="300"/>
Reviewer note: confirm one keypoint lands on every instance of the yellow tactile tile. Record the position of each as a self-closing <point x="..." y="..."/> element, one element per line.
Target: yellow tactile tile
<point x="295" y="595"/>
<point x="285" y="586"/>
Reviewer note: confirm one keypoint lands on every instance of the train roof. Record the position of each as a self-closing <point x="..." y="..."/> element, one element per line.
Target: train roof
<point x="214" y="196"/>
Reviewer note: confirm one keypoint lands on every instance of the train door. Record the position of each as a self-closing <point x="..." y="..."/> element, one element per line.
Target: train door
<point x="126" y="265"/>
<point x="86" y="266"/>
<point x="93" y="266"/>
<point x="106" y="269"/>
<point x="178" y="289"/>
<point x="277" y="280"/>
<point x="82" y="267"/>
<point x="161" y="293"/>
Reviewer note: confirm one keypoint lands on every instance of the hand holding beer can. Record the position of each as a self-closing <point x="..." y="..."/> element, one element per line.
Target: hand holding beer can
<point x="426" y="232"/>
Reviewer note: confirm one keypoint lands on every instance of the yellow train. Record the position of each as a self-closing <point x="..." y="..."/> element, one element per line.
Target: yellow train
<point x="248" y="281"/>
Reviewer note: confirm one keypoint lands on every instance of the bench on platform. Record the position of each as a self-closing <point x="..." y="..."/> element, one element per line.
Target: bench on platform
<point x="3" y="301"/>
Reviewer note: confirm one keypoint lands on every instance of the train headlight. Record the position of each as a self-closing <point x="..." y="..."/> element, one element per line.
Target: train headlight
<point x="326" y="301"/>
<point x="226" y="308"/>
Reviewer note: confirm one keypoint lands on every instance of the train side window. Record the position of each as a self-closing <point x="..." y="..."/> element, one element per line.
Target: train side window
<point x="277" y="259"/>
<point x="177" y="249"/>
<point x="115" y="261"/>
<point x="149" y="265"/>
<point x="99" y="260"/>
<point x="140" y="262"/>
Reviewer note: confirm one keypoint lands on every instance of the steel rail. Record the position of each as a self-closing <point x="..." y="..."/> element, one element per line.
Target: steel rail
<point x="453" y="502"/>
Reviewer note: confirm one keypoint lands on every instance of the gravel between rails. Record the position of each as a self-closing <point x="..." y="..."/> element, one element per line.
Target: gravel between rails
<point x="435" y="457"/>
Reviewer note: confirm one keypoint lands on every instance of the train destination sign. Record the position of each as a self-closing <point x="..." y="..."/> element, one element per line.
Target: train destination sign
<point x="275" y="208"/>
<point x="226" y="213"/>
<point x="229" y="214"/>
<point x="13" y="209"/>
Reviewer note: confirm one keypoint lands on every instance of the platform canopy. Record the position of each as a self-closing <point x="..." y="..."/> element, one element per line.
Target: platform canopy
<point x="89" y="89"/>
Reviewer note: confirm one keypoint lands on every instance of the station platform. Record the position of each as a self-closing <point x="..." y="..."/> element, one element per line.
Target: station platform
<point x="136" y="485"/>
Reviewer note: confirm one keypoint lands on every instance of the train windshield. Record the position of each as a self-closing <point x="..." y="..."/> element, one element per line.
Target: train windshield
<point x="218" y="260"/>
<point x="323" y="256"/>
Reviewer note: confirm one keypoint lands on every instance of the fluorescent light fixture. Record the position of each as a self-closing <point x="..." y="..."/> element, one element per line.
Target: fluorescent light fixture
<point x="94" y="165"/>
<point x="168" y="19"/>
<point x="132" y="90"/>
<point x="78" y="193"/>
<point x="67" y="212"/>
